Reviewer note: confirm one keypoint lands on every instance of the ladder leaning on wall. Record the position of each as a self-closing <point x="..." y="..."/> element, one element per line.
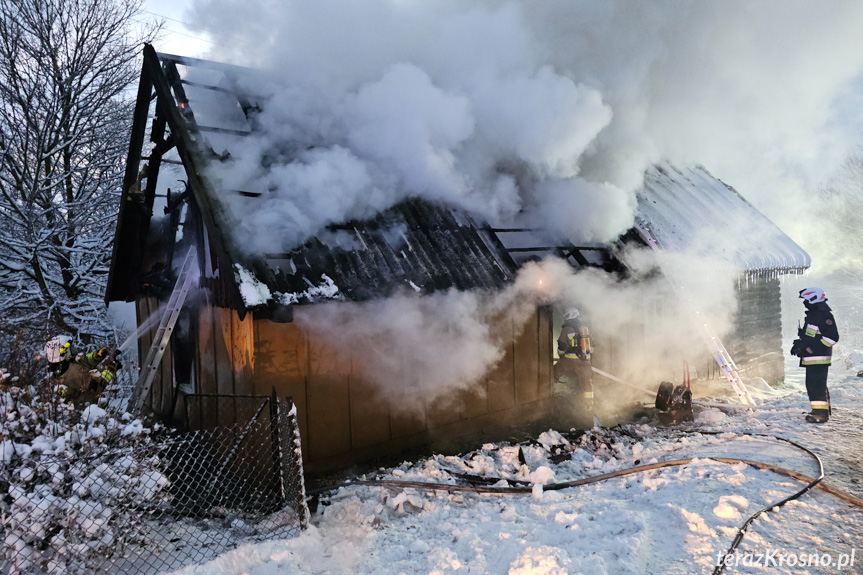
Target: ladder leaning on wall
<point x="726" y="364"/>
<point x="188" y="274"/>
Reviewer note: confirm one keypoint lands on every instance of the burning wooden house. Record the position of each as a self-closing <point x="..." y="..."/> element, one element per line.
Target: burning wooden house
<point x="245" y="335"/>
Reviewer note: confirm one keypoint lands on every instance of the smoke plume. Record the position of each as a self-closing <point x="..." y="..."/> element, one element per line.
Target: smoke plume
<point x="547" y="110"/>
<point x="507" y="106"/>
<point x="438" y="345"/>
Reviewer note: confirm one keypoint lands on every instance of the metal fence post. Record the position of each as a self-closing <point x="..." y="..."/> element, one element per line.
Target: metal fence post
<point x="278" y="476"/>
<point x="296" y="463"/>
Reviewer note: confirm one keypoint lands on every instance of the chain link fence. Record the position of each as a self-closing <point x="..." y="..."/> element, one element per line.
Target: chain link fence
<point x="158" y="504"/>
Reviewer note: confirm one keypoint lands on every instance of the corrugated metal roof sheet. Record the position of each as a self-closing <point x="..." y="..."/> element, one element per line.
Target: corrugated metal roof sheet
<point x="415" y="246"/>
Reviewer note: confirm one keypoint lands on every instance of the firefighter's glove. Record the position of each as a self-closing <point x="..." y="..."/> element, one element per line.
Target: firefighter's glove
<point x="94" y="358"/>
<point x="797" y="348"/>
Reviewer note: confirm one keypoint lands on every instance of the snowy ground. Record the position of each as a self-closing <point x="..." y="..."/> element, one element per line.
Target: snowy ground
<point x="676" y="520"/>
<point x="673" y="520"/>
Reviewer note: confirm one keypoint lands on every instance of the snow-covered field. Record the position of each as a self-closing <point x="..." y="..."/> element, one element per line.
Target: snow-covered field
<point x="676" y="520"/>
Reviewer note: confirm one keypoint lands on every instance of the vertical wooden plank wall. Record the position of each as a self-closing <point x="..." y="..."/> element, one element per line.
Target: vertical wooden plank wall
<point x="546" y="345"/>
<point x="282" y="362"/>
<point x="408" y="409"/>
<point x="205" y="368"/>
<point x="370" y="413"/>
<point x="341" y="411"/>
<point x="226" y="355"/>
<point x="328" y="399"/>
<point x="500" y="381"/>
<point x="526" y="361"/>
<point x="756" y="343"/>
<point x="241" y="334"/>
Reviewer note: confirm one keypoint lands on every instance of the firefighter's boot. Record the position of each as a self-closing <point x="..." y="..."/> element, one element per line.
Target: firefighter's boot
<point x="818" y="416"/>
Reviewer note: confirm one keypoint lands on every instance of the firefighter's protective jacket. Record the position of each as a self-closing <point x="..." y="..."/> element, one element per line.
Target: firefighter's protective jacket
<point x="80" y="380"/>
<point x="818" y="335"/>
<point x="569" y="344"/>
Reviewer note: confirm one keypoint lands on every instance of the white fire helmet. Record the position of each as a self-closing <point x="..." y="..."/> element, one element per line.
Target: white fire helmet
<point x="813" y="295"/>
<point x="570" y="313"/>
<point x="58" y="348"/>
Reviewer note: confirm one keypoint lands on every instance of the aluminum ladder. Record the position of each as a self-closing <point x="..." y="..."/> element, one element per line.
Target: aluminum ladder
<point x="723" y="359"/>
<point x="188" y="274"/>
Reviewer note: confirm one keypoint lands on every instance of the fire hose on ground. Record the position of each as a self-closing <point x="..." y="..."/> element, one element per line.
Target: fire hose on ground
<point x="524" y="487"/>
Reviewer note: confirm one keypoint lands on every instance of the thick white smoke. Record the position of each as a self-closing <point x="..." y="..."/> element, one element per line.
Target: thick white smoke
<point x="484" y="103"/>
<point x="550" y="109"/>
<point x="438" y="345"/>
<point x="374" y="104"/>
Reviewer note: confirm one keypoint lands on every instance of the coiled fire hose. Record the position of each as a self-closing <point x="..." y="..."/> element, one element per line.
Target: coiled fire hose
<point x="523" y="487"/>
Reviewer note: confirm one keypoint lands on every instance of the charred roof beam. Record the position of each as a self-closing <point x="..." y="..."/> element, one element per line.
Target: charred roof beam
<point x="129" y="221"/>
<point x="190" y="156"/>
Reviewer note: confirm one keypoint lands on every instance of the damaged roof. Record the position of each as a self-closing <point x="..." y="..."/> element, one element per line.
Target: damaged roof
<point x="192" y="112"/>
<point x="414" y="246"/>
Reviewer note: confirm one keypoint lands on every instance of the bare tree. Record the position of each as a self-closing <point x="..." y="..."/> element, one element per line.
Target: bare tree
<point x="841" y="208"/>
<point x="65" y="70"/>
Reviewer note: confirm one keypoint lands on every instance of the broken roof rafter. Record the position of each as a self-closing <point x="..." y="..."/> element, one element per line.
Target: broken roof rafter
<point x="229" y="74"/>
<point x="217" y="130"/>
<point x="211" y="212"/>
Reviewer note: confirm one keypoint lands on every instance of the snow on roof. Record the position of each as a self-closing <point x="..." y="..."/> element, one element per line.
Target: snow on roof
<point x="254" y="292"/>
<point x="691" y="211"/>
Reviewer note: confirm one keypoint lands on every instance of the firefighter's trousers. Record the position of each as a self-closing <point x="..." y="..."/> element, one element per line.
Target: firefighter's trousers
<point x="816" y="387"/>
<point x="578" y="374"/>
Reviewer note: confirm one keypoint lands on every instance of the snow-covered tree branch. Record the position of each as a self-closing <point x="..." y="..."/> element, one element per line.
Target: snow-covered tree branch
<point x="65" y="69"/>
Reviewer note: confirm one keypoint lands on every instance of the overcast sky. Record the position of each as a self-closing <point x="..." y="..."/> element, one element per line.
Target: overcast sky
<point x="179" y="36"/>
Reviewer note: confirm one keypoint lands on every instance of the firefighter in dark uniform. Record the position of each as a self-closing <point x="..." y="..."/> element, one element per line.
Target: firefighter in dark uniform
<point x="79" y="377"/>
<point x="814" y="347"/>
<point x="573" y="350"/>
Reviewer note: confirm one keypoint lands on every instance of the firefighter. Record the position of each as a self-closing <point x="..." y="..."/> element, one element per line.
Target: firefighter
<point x="79" y="377"/>
<point x="814" y="347"/>
<point x="573" y="350"/>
